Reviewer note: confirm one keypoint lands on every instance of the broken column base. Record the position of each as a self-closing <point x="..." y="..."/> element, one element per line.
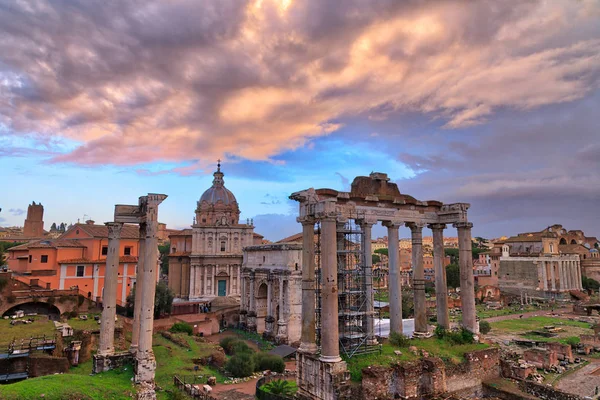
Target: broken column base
<point x="321" y="380"/>
<point x="106" y="362"/>
<point x="145" y="391"/>
<point x="145" y="368"/>
<point x="422" y="335"/>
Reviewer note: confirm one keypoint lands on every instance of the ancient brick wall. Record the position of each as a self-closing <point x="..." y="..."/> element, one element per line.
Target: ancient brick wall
<point x="563" y="351"/>
<point x="44" y="365"/>
<point x="541" y="358"/>
<point x="546" y="392"/>
<point x="592" y="340"/>
<point x="512" y="370"/>
<point x="478" y="366"/>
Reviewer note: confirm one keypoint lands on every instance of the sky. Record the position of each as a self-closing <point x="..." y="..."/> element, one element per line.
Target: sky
<point x="486" y="102"/>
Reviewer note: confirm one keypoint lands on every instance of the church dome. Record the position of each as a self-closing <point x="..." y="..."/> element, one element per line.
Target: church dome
<point x="218" y="192"/>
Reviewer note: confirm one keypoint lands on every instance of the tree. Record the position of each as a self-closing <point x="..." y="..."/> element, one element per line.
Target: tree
<point x="164" y="258"/>
<point x="589" y="283"/>
<point x="383" y="251"/>
<point x="163" y="300"/>
<point x="3" y="247"/>
<point x="453" y="276"/>
<point x="376" y="259"/>
<point x="53" y="227"/>
<point x="481" y="242"/>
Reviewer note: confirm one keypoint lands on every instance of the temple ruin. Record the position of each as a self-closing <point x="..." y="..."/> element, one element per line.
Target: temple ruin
<point x="337" y="281"/>
<point x="145" y="214"/>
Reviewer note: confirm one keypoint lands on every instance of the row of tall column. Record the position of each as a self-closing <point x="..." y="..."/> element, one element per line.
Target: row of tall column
<point x="141" y="342"/>
<point x="559" y="275"/>
<point x="329" y="289"/>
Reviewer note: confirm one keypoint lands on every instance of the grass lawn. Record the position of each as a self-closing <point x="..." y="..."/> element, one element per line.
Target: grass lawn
<point x="41" y="326"/>
<point x="435" y="347"/>
<point x="483" y="313"/>
<point x="535" y="323"/>
<point x="90" y="324"/>
<point x="173" y="359"/>
<point x="382" y="295"/>
<point x="77" y="384"/>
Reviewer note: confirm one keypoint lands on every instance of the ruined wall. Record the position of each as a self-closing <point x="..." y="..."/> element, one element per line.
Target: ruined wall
<point x="546" y="392"/>
<point x="512" y="370"/>
<point x="41" y="365"/>
<point x="319" y="380"/>
<point x="430" y="376"/>
<point x="478" y="366"/>
<point x="516" y="276"/>
<point x="541" y="358"/>
<point x="591" y="340"/>
<point x="563" y="351"/>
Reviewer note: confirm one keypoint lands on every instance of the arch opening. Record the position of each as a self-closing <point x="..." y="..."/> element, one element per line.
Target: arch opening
<point x="37" y="307"/>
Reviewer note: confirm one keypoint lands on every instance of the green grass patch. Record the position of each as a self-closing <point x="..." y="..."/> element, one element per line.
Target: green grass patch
<point x="484" y="313"/>
<point x="535" y="323"/>
<point x="77" y="384"/>
<point x="448" y="352"/>
<point x="262" y="344"/>
<point x="40" y="326"/>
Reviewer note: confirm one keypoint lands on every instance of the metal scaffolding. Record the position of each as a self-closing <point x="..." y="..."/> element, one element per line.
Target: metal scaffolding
<point x="353" y="298"/>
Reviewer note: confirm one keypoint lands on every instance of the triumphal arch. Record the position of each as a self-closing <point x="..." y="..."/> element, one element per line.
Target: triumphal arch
<point x="337" y="281"/>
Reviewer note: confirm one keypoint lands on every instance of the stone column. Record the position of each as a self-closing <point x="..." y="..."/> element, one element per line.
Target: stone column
<point x="206" y="281"/>
<point x="569" y="276"/>
<point x="418" y="278"/>
<point x="330" y="350"/>
<point x="282" y="322"/>
<point x="139" y="277"/>
<point x="243" y="304"/>
<point x="395" y="277"/>
<point x="467" y="287"/>
<point x="307" y="341"/>
<point x="252" y="310"/>
<point x="269" y="318"/>
<point x="239" y="279"/>
<point x="441" y="289"/>
<point x="109" y="298"/>
<point x="544" y="275"/>
<point x="146" y="363"/>
<point x="552" y="276"/>
<point x="561" y="275"/>
<point x="578" y="274"/>
<point x="368" y="322"/>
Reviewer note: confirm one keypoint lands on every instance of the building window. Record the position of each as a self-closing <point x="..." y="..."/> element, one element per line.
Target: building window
<point x="44" y="259"/>
<point x="80" y="270"/>
<point x="127" y="251"/>
<point x="223" y="245"/>
<point x="104" y="250"/>
<point x="77" y="232"/>
<point x="30" y="258"/>
<point x="174" y="250"/>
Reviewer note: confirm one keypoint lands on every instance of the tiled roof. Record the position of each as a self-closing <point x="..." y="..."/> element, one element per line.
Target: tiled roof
<point x="183" y="232"/>
<point x="124" y="259"/>
<point x="257" y="235"/>
<point x="48" y="244"/>
<point x="573" y="248"/>
<point x="297" y="238"/>
<point x="516" y="239"/>
<point x="128" y="231"/>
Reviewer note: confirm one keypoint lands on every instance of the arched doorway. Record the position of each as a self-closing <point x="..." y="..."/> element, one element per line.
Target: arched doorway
<point x="573" y="241"/>
<point x="37" y="307"/>
<point x="261" y="307"/>
<point x="563" y="241"/>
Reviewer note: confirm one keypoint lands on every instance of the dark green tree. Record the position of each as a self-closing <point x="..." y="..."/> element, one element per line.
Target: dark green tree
<point x="589" y="283"/>
<point x="164" y="257"/>
<point x="383" y="251"/>
<point x="453" y="276"/>
<point x="376" y="259"/>
<point x="163" y="300"/>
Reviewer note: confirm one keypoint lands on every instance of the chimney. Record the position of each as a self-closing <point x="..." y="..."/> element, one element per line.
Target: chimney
<point x="90" y="222"/>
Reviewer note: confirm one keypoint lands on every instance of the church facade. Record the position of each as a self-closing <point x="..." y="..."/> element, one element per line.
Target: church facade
<point x="205" y="260"/>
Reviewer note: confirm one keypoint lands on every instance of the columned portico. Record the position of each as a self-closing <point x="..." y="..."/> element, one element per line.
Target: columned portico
<point x="395" y="278"/>
<point x="552" y="277"/>
<point x="282" y="322"/>
<point x="544" y="275"/>
<point x="418" y="279"/>
<point x="139" y="278"/>
<point x="441" y="288"/>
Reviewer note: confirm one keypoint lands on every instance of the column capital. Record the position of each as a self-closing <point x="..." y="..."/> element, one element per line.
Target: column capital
<point x="114" y="229"/>
<point x="392" y="224"/>
<point x="367" y="223"/>
<point x="463" y="225"/>
<point x="415" y="226"/>
<point x="327" y="216"/>
<point x="437" y="227"/>
<point x="307" y="220"/>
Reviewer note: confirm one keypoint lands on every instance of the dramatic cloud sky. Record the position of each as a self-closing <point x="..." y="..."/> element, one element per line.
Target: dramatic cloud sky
<point x="488" y="102"/>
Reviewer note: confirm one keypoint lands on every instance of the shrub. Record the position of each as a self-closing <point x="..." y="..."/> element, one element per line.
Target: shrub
<point x="241" y="347"/>
<point x="399" y="340"/>
<point x="484" y="327"/>
<point x="439" y="332"/>
<point x="182" y="327"/>
<point x="217" y="359"/>
<point x="463" y="336"/>
<point x="280" y="387"/>
<point x="227" y="344"/>
<point x="240" y="365"/>
<point x="266" y="361"/>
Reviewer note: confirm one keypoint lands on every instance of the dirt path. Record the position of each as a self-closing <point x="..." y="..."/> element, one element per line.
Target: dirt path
<point x="583" y="382"/>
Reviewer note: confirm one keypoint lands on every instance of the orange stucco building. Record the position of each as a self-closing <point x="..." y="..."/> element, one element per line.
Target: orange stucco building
<point x="77" y="259"/>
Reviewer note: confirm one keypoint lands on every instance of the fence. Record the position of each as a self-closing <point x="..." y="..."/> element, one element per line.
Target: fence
<point x="191" y="388"/>
<point x="263" y="395"/>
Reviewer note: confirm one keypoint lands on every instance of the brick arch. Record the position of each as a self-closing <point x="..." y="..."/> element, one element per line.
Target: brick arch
<point x="40" y="304"/>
